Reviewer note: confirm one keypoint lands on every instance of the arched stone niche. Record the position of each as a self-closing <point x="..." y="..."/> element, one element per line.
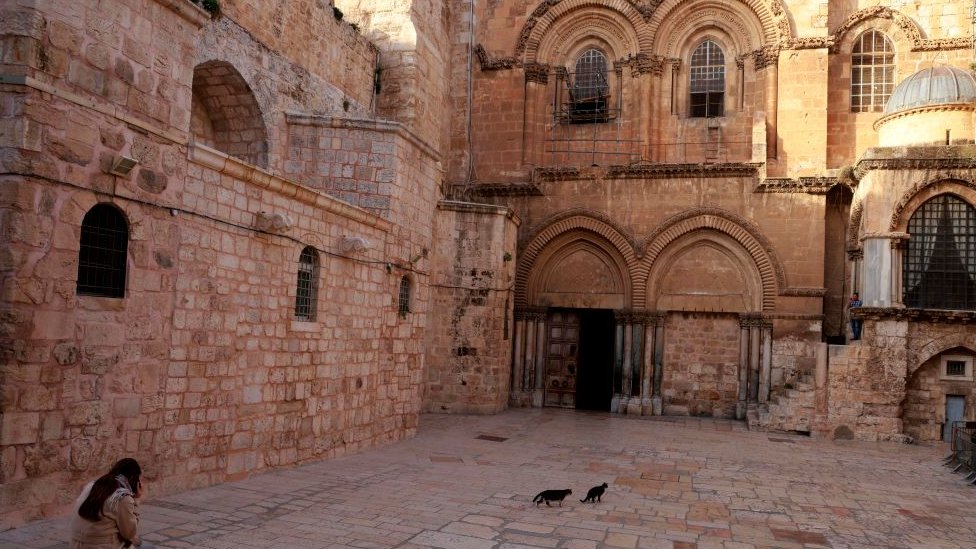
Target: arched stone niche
<point x="704" y="270"/>
<point x="225" y="114"/>
<point x="579" y="270"/>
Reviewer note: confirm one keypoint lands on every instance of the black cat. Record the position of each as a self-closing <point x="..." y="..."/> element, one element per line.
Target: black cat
<point x="551" y="495"/>
<point x="594" y="493"/>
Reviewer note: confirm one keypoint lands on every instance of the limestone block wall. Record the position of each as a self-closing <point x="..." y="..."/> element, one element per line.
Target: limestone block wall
<point x="470" y="330"/>
<point x="201" y="371"/>
<point x="701" y="364"/>
<point x="414" y="40"/>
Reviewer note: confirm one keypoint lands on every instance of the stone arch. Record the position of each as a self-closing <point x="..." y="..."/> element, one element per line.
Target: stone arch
<point x="573" y="232"/>
<point x="901" y="28"/>
<point x="924" y="191"/>
<point x="937" y="346"/>
<point x="549" y="15"/>
<point x="771" y="276"/>
<point x="738" y="30"/>
<point x="751" y="22"/>
<point x="225" y="113"/>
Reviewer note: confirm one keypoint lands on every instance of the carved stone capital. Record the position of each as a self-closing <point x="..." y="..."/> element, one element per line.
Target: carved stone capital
<point x="537" y="73"/>
<point x="766" y="56"/>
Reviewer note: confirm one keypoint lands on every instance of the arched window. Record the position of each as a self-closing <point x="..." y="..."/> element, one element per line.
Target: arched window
<point x="872" y="72"/>
<point x="306" y="296"/>
<point x="403" y="304"/>
<point x="590" y="89"/>
<point x="103" y="251"/>
<point x="707" y="81"/>
<point x="940" y="263"/>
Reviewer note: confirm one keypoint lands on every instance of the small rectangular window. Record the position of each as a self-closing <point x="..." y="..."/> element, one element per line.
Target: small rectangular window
<point x="956" y="368"/>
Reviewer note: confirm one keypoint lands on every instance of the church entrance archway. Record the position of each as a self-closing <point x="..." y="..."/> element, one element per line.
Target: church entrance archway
<point x="579" y="359"/>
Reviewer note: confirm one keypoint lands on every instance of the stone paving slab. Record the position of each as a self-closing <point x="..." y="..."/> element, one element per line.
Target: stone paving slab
<point x="467" y="482"/>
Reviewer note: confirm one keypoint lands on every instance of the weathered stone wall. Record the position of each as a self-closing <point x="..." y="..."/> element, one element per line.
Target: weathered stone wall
<point x="469" y="338"/>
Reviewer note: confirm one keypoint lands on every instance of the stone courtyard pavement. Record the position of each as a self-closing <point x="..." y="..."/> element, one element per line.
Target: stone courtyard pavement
<point x="468" y="482"/>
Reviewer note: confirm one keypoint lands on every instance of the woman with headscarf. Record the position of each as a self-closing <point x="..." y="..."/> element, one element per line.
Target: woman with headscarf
<point x="107" y="513"/>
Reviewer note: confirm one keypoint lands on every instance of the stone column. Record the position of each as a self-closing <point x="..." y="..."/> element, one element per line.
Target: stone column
<point x="628" y="373"/>
<point x="766" y="362"/>
<point x="518" y="359"/>
<point x="768" y="58"/>
<point x="876" y="286"/>
<point x="618" y="360"/>
<point x="536" y="79"/>
<point x="754" y="361"/>
<point x="657" y="402"/>
<point x="647" y="367"/>
<point x="540" y="362"/>
<point x="744" y="341"/>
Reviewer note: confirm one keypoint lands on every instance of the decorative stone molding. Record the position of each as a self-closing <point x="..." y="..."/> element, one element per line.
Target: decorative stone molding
<point x="804" y="292"/>
<point x="807" y="43"/>
<point x="667" y="171"/>
<point x="505" y="189"/>
<point x="805" y="185"/>
<point x="895" y="164"/>
<point x="905" y="24"/>
<point x="560" y="174"/>
<point x="766" y="56"/>
<point x="537" y="73"/>
<point x="490" y="63"/>
<point x="753" y="320"/>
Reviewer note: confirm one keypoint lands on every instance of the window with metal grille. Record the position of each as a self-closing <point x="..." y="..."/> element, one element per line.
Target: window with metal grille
<point x="872" y="72"/>
<point x="591" y="90"/>
<point x="940" y="261"/>
<point x="707" y="81"/>
<point x="403" y="305"/>
<point x="956" y="368"/>
<point x="102" y="252"/>
<point x="306" y="296"/>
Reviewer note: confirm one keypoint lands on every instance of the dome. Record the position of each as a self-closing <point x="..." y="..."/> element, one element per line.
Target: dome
<point x="932" y="86"/>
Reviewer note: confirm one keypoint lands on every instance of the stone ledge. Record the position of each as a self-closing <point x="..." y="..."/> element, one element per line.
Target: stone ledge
<point x="187" y="10"/>
<point x="914" y="315"/>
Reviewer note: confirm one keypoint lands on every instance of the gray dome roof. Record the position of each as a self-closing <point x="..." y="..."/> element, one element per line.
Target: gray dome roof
<point x="933" y="86"/>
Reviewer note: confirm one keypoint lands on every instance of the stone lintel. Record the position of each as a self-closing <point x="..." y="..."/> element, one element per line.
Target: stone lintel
<point x="474" y="207"/>
<point x="187" y="10"/>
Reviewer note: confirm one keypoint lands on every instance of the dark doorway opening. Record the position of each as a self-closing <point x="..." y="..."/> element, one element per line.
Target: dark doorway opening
<point x="594" y="383"/>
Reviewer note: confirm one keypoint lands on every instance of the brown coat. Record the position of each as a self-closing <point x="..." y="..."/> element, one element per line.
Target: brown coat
<point x="110" y="530"/>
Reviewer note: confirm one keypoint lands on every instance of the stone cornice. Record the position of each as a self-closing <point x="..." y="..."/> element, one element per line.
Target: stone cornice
<point x="368" y="124"/>
<point x="804" y="185"/>
<point x="804" y="292"/>
<point x="914" y="315"/>
<point x="561" y="174"/>
<point x="938" y="163"/>
<point x="944" y="107"/>
<point x="664" y="171"/>
<point x="505" y="189"/>
<point x="187" y="10"/>
<point x="474" y="207"/>
<point x="491" y="63"/>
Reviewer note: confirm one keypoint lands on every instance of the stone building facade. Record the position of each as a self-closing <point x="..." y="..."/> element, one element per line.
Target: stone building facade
<point x="280" y="232"/>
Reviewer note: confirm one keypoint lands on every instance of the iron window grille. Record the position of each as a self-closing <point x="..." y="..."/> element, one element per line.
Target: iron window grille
<point x="103" y="252"/>
<point x="707" y="83"/>
<point x="940" y="261"/>
<point x="307" y="286"/>
<point x="403" y="303"/>
<point x="589" y="94"/>
<point x="955" y="368"/>
<point x="872" y="72"/>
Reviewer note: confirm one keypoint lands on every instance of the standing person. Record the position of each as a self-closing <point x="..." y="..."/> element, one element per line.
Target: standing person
<point x="107" y="513"/>
<point x="855" y="322"/>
